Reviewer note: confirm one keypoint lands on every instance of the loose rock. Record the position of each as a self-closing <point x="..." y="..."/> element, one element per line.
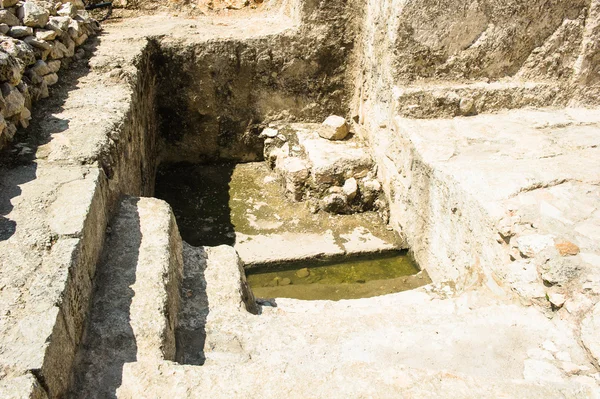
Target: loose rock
<point x="334" y="203"/>
<point x="350" y="188"/>
<point x="333" y="128"/>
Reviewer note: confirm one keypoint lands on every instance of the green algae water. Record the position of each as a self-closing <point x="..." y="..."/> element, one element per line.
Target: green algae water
<point x="351" y="278"/>
<point x="213" y="204"/>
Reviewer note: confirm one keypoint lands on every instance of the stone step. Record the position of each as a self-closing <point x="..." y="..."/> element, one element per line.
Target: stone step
<point x="214" y="294"/>
<point x="136" y="302"/>
<point x="422" y="343"/>
<point x="446" y="100"/>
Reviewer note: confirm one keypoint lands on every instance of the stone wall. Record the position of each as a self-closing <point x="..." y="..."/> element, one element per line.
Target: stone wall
<point x="37" y="38"/>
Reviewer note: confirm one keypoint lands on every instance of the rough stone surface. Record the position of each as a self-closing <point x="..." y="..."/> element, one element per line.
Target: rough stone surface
<point x="33" y="14"/>
<point x="333" y="128"/>
<point x="466" y="189"/>
<point x="139" y="274"/>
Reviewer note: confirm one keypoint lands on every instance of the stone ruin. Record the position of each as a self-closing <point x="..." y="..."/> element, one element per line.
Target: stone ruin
<point x="473" y="135"/>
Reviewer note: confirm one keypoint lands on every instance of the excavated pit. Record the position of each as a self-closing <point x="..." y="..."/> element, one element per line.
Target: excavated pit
<point x="133" y="310"/>
<point x="240" y="204"/>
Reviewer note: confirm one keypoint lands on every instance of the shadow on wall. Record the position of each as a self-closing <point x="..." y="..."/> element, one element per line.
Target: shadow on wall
<point x="199" y="196"/>
<point x="109" y="341"/>
<point x="18" y="160"/>
<point x="191" y="332"/>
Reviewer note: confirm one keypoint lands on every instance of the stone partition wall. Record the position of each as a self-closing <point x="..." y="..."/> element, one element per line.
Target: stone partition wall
<point x="36" y="39"/>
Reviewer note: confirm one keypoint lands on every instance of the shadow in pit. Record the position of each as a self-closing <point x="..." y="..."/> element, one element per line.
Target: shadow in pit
<point x="191" y="331"/>
<point x="18" y="159"/>
<point x="109" y="341"/>
<point x="199" y="196"/>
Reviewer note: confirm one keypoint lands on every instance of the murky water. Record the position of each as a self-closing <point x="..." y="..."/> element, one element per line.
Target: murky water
<point x="214" y="204"/>
<point x="347" y="279"/>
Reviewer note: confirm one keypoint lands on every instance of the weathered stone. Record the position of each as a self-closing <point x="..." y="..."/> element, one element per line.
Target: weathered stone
<point x="45" y="34"/>
<point x="41" y="68"/>
<point x="567" y="248"/>
<point x="333" y="162"/>
<point x="532" y="244"/>
<point x="333" y="128"/>
<point x="58" y="50"/>
<point x="25" y="117"/>
<point x="4" y="29"/>
<point x="334" y="203"/>
<point x="67" y="10"/>
<point x="14" y="100"/>
<point x="58" y="24"/>
<point x="69" y="46"/>
<point x="8" y="18"/>
<point x="33" y="76"/>
<point x="54" y="66"/>
<point x="18" y="49"/>
<point x="43" y="90"/>
<point x="561" y="270"/>
<point x="32" y="14"/>
<point x="20" y="31"/>
<point x="36" y="43"/>
<point x="10" y="70"/>
<point x="51" y="79"/>
<point x="350" y="188"/>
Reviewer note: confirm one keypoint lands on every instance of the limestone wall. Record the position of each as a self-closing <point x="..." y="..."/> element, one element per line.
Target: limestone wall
<point x="37" y="38"/>
<point x="430" y="59"/>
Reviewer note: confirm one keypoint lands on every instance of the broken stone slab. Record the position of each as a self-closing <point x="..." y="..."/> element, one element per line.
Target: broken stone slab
<point x="333" y="128"/>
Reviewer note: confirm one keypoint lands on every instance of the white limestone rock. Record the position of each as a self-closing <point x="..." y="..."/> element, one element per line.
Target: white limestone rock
<point x="45" y="34"/>
<point x="33" y="14"/>
<point x="20" y="31"/>
<point x="333" y="128"/>
<point x="532" y="244"/>
<point x="350" y="188"/>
